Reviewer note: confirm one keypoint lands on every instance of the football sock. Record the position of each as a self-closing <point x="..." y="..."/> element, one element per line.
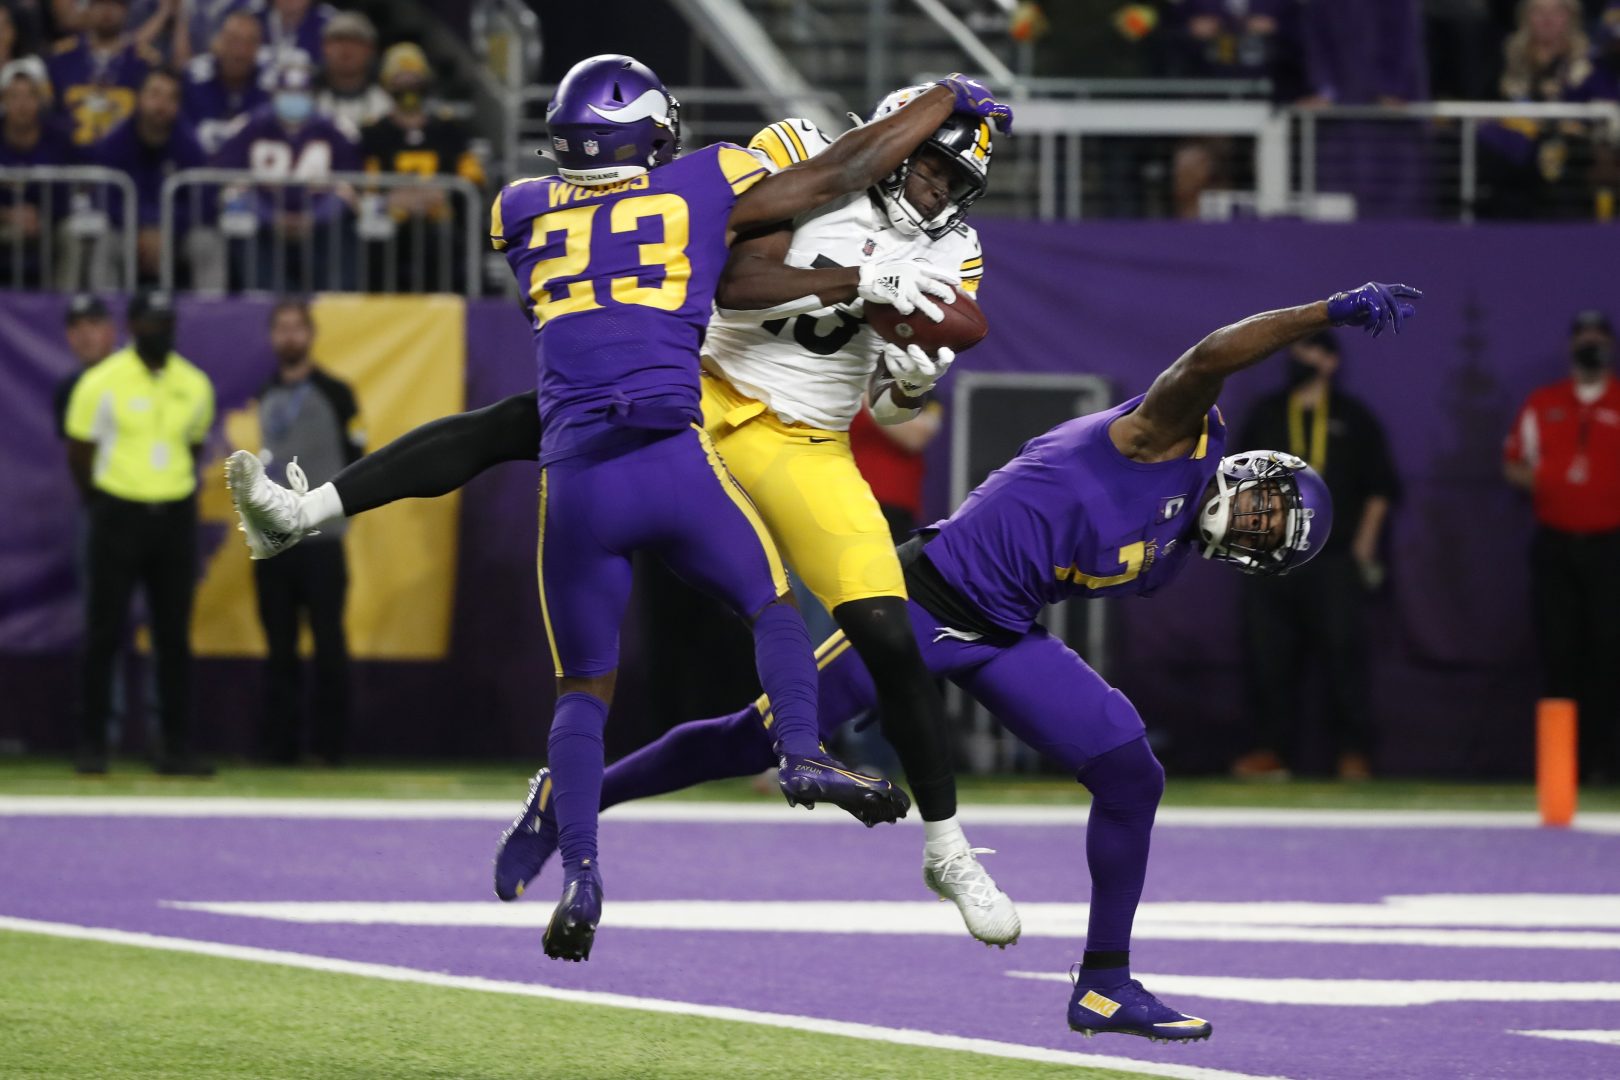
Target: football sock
<point x="787" y="671"/>
<point x="691" y="753"/>
<point x="910" y="710"/>
<point x="441" y="456"/>
<point x="943" y="835"/>
<point x="1094" y="961"/>
<point x="320" y="506"/>
<point x="574" y="752"/>
<point x="1125" y="784"/>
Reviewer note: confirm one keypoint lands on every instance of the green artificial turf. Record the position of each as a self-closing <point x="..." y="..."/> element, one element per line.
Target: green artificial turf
<point x="90" y="1010"/>
<point x="507" y="781"/>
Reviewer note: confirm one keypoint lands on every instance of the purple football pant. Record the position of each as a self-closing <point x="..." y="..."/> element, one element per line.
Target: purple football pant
<point x="672" y="496"/>
<point x="1040" y="690"/>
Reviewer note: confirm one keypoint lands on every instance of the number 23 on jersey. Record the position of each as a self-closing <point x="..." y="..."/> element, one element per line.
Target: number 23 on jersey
<point x="582" y="226"/>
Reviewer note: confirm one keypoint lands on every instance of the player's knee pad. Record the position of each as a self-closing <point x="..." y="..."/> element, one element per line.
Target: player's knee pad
<point x="1126" y="778"/>
<point x="879" y="628"/>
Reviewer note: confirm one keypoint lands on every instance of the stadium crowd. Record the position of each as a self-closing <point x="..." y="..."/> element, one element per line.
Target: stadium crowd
<point x="289" y="89"/>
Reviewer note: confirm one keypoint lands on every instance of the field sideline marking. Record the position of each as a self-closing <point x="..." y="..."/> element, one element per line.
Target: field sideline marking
<point x="1361" y="993"/>
<point x="765" y="813"/>
<point x="813" y="1025"/>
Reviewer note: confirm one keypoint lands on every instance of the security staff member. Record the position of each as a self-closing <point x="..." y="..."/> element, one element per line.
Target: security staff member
<point x="1564" y="450"/>
<point x="135" y="424"/>
<point x="1318" y="612"/>
<point x="309" y="417"/>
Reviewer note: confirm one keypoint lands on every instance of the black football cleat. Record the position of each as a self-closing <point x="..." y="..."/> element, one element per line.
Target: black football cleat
<point x="572" y="929"/>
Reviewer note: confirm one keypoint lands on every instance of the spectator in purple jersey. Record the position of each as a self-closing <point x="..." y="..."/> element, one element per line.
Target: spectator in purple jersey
<point x="293" y="31"/>
<point x="224" y="83"/>
<point x="96" y="74"/>
<point x="302" y="238"/>
<point x="347" y="89"/>
<point x="1543" y="169"/>
<point x="29" y="137"/>
<point x="153" y="143"/>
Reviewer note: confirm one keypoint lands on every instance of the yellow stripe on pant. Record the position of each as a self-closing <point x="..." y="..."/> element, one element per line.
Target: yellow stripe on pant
<point x="540" y="577"/>
<point x="811" y="495"/>
<point x="746" y="505"/>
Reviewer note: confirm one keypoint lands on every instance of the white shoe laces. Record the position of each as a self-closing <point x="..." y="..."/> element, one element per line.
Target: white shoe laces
<point x="961" y="872"/>
<point x="296" y="480"/>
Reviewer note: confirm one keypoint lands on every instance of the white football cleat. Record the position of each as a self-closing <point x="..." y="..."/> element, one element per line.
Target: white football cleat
<point x="957" y="876"/>
<point x="269" y="514"/>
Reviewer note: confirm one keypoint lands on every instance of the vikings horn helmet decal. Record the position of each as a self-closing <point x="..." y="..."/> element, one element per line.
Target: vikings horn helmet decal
<point x="1306" y="505"/>
<point x="965" y="140"/>
<point x="612" y="119"/>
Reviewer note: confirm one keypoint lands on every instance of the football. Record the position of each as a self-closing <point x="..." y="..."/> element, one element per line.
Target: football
<point x="963" y="328"/>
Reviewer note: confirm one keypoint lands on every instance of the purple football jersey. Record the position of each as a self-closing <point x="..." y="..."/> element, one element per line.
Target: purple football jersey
<point x="96" y="91"/>
<point x="621" y="279"/>
<point x="1072" y="516"/>
<point x="312" y="151"/>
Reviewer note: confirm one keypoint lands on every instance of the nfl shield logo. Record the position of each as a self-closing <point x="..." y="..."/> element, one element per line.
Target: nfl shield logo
<point x="869" y="247"/>
<point x="591" y="148"/>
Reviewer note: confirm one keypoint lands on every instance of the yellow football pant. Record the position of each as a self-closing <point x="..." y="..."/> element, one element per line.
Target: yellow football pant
<point x="811" y="496"/>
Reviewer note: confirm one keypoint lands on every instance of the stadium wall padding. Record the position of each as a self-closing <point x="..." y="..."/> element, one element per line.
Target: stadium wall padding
<point x="453" y="662"/>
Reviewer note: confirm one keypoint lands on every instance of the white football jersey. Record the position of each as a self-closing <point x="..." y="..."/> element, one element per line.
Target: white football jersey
<point x="813" y="369"/>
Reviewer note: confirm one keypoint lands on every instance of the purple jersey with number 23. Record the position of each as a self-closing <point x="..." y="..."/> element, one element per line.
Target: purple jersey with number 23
<point x="1072" y="516"/>
<point x="621" y="280"/>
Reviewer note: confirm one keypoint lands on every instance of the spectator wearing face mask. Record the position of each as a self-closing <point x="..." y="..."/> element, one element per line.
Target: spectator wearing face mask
<point x="1317" y="615"/>
<point x="1564" y="450"/>
<point x="136" y="423"/>
<point x="301" y="236"/>
<point x="417" y="137"/>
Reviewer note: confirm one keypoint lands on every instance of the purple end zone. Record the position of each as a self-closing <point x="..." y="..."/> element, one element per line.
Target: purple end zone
<point x="118" y="872"/>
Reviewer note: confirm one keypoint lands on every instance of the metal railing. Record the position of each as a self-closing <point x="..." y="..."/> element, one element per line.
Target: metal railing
<point x="56" y="228"/>
<point x="707" y="114"/>
<point x="344" y="232"/>
<point x="1071" y="158"/>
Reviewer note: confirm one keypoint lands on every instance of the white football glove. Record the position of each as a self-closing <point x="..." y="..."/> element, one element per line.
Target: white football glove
<point x="908" y="285"/>
<point x="913" y="371"/>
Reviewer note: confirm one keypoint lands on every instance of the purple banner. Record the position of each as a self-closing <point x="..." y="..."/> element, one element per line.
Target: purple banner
<point x="1453" y="685"/>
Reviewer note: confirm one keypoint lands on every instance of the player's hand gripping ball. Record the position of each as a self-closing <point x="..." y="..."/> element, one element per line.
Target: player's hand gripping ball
<point x="962" y="328"/>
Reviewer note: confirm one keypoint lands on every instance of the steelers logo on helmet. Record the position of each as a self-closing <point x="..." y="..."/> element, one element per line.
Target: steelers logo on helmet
<point x="1268" y="513"/>
<point x="964" y="141"/>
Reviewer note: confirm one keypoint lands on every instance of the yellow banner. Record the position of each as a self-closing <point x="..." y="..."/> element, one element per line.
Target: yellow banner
<point x="405" y="358"/>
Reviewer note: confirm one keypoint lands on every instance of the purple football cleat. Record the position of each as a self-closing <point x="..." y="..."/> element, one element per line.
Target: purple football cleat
<point x="808" y="779"/>
<point x="573" y="924"/>
<point x="1127" y="1009"/>
<point x="528" y="842"/>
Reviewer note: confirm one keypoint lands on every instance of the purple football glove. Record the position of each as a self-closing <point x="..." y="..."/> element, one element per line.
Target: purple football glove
<point x="1374" y="307"/>
<point x="975" y="98"/>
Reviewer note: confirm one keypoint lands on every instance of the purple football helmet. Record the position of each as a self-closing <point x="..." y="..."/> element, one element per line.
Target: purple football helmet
<point x="612" y="119"/>
<point x="1305" y="503"/>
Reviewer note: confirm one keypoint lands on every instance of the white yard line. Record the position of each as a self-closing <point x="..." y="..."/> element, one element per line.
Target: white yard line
<point x="868" y="1032"/>
<point x="768" y="812"/>
<point x="1476" y="922"/>
<point x="1602" y="1038"/>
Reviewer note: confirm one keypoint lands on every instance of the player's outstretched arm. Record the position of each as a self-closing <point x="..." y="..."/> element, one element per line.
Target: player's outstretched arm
<point x="860" y="158"/>
<point x="1171" y="416"/>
